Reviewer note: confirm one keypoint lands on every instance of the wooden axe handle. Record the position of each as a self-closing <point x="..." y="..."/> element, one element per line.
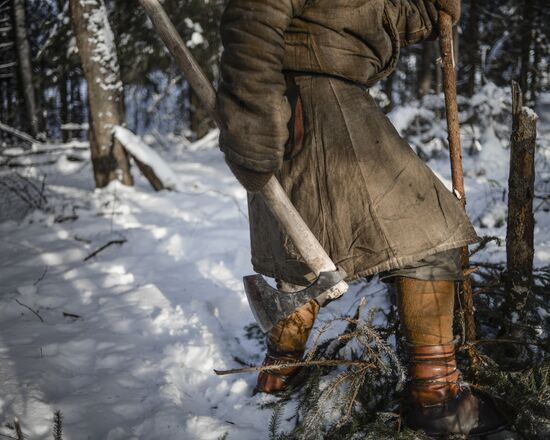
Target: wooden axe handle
<point x="277" y="200"/>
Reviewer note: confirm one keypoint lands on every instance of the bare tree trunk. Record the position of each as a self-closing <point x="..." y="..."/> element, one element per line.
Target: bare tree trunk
<point x="95" y="44"/>
<point x="472" y="53"/>
<point x="425" y="63"/>
<point x="64" y="104"/>
<point x="535" y="75"/>
<point x="526" y="43"/>
<point x="63" y="86"/>
<point x="25" y="66"/>
<point x="521" y="222"/>
<point x="77" y="107"/>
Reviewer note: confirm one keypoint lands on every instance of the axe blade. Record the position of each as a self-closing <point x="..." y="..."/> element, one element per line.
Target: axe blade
<point x="270" y="305"/>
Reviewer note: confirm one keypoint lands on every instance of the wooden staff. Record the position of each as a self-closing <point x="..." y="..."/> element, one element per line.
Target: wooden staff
<point x="453" y="128"/>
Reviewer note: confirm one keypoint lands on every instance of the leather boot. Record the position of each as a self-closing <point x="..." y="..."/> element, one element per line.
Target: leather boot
<point x="286" y="343"/>
<point x="438" y="403"/>
<point x="436" y="400"/>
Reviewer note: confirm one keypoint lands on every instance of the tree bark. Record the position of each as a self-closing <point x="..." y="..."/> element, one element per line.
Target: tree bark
<point x="95" y="44"/>
<point x="425" y="63"/>
<point x="472" y="53"/>
<point x="521" y="222"/>
<point x="535" y="73"/>
<point x="64" y="102"/>
<point x="25" y="66"/>
<point x="526" y="43"/>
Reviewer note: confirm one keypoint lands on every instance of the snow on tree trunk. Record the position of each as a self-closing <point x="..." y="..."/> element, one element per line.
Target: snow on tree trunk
<point x="96" y="46"/>
<point x="25" y="67"/>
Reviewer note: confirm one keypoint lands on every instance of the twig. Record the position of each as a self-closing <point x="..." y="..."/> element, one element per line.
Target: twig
<point x="19" y="194"/>
<point x="83" y="240"/>
<point x="22" y="188"/>
<point x="18" y="431"/>
<point x="39" y="191"/>
<point x="325" y="362"/>
<point x="65" y="218"/>
<point x="27" y="307"/>
<point x="105" y="246"/>
<point x="484" y="242"/>
<point x="71" y="315"/>
<point x="42" y="276"/>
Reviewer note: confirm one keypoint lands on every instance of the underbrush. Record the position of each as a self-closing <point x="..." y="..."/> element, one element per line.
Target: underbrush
<point x="358" y="396"/>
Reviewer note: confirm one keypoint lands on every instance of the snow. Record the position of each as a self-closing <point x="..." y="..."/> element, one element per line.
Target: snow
<point x="197" y="37"/>
<point x="155" y="315"/>
<point x="530" y="113"/>
<point x="130" y="337"/>
<point x="145" y="154"/>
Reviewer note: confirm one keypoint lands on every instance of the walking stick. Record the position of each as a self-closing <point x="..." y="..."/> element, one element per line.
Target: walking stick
<point x="453" y="128"/>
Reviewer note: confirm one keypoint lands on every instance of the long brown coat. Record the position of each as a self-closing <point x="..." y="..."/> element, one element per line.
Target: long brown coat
<point x="372" y="203"/>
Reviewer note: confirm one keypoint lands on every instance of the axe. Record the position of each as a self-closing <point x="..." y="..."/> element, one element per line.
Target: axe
<point x="268" y="305"/>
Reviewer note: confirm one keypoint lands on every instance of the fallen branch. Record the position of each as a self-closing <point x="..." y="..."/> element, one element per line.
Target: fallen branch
<point x="18" y="133"/>
<point x="153" y="167"/>
<point x="27" y="307"/>
<point x="105" y="246"/>
<point x="52" y="150"/>
<point x="320" y="363"/>
<point x="27" y="165"/>
<point x="83" y="240"/>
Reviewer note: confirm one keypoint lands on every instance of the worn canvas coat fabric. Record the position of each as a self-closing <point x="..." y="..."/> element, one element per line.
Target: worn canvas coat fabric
<point x="371" y="201"/>
<point x="357" y="40"/>
<point x="368" y="198"/>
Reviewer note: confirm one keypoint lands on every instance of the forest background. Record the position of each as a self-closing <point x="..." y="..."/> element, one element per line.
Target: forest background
<point x="497" y="41"/>
<point x="114" y="298"/>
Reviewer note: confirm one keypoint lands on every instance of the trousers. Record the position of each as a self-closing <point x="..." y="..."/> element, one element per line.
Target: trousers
<point x="446" y="265"/>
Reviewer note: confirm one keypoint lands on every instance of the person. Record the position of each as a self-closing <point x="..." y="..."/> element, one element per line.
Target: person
<point x="294" y="102"/>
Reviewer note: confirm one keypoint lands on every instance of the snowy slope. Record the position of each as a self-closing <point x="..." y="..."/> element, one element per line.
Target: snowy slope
<point x="130" y="337"/>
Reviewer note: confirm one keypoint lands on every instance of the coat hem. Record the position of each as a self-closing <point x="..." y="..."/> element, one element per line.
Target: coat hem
<point x="389" y="264"/>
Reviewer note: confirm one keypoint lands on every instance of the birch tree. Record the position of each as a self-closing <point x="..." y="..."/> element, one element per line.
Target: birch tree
<point x="95" y="42"/>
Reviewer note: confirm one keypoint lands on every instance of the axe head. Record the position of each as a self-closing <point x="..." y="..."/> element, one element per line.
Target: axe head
<point x="270" y="305"/>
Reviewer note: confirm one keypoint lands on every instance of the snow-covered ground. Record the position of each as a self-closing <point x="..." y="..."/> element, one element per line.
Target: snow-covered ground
<point x="124" y="343"/>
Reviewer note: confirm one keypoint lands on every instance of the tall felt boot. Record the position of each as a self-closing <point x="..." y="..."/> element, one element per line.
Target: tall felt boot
<point x="436" y="400"/>
<point x="286" y="343"/>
